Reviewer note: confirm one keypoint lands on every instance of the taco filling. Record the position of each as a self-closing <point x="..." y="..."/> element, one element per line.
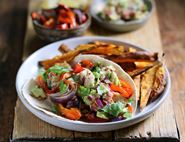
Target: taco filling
<point x="86" y="90"/>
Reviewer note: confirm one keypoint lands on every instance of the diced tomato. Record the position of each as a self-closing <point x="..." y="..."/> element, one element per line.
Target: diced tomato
<point x="87" y="63"/>
<point x="77" y="68"/>
<point x="43" y="19"/>
<point x="35" y="15"/>
<point x="50" y="23"/>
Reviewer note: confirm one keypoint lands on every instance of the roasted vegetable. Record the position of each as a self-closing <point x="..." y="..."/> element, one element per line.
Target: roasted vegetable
<point x="139" y="56"/>
<point x="139" y="71"/>
<point x="64" y="48"/>
<point x="159" y="83"/>
<point x="60" y="18"/>
<point x="128" y="66"/>
<point x="137" y="81"/>
<point x="65" y="57"/>
<point x="147" y="81"/>
<point x="107" y="49"/>
<point x="72" y="113"/>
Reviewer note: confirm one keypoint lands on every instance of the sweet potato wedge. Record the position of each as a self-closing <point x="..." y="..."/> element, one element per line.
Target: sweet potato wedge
<point x="66" y="56"/>
<point x="144" y="64"/>
<point x="139" y="70"/>
<point x="128" y="66"/>
<point x="108" y="50"/>
<point x="137" y="81"/>
<point x="147" y="81"/>
<point x="64" y="48"/>
<point x="159" y="83"/>
<point x="139" y="56"/>
<point x="101" y="43"/>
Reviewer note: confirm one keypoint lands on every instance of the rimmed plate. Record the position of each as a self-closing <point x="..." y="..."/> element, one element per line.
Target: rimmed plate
<point x="29" y="69"/>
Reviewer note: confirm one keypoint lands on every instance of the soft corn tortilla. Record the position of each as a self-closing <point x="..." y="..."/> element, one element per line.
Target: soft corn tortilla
<point x="46" y="105"/>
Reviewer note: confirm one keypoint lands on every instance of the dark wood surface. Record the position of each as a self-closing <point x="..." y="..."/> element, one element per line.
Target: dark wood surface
<point x="12" y="29"/>
<point x="12" y="26"/>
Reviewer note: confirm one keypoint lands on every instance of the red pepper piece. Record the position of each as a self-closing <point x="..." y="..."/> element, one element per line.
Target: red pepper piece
<point x="77" y="68"/>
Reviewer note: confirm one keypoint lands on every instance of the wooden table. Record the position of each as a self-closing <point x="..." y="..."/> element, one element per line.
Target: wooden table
<point x="166" y="122"/>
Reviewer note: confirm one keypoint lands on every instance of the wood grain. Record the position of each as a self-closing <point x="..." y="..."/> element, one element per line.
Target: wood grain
<point x="13" y="16"/>
<point x="28" y="125"/>
<point x="173" y="35"/>
<point x="156" y="126"/>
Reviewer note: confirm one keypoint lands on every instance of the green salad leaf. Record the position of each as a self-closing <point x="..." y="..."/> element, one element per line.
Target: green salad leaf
<point x="83" y="91"/>
<point x="130" y="100"/>
<point x="96" y="75"/>
<point x="75" y="78"/>
<point x="54" y="108"/>
<point x="59" y="69"/>
<point x="127" y="115"/>
<point x="63" y="87"/>
<point x="114" y="78"/>
<point x="102" y="89"/>
<point x="115" y="109"/>
<point x="43" y="73"/>
<point x="96" y="68"/>
<point x="102" y="114"/>
<point x="38" y="92"/>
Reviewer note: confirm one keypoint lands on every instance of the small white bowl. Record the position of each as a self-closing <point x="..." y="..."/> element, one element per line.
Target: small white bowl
<point x="97" y="6"/>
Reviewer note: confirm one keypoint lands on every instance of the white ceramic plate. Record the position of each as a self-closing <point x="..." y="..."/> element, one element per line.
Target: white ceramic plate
<point x="29" y="69"/>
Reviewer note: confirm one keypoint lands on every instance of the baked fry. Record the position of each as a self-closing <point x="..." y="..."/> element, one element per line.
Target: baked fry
<point x="106" y="50"/>
<point x="128" y="66"/>
<point x="147" y="81"/>
<point x="144" y="64"/>
<point x="66" y="56"/>
<point x="64" y="48"/>
<point x="159" y="83"/>
<point x="141" y="69"/>
<point x="131" y="49"/>
<point x="139" y="56"/>
<point x="137" y="81"/>
<point x="101" y="43"/>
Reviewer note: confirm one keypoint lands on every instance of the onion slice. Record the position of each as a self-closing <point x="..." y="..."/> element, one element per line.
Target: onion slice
<point x="64" y="98"/>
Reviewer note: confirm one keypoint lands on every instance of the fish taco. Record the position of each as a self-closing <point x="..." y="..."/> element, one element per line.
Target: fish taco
<point x="89" y="89"/>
